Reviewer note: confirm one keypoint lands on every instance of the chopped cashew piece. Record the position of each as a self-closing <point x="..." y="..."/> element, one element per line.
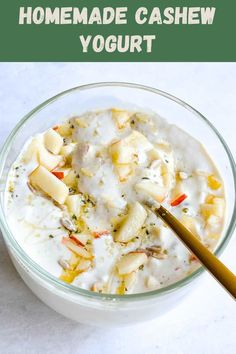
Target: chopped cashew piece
<point x="70" y="179"/>
<point x="48" y="160"/>
<point x="64" y="130"/>
<point x="74" y="203"/>
<point x="130" y="280"/>
<point x="32" y="150"/>
<point x="177" y="190"/>
<point x="124" y="171"/>
<point x="138" y="140"/>
<point x="219" y="207"/>
<point x="82" y="238"/>
<point x="78" y="250"/>
<point x="120" y="117"/>
<point x="131" y="262"/>
<point x="53" y="141"/>
<point x="67" y="150"/>
<point x="122" y="153"/>
<point x="151" y="189"/>
<point x="50" y="184"/>
<point x="207" y="210"/>
<point x="132" y="223"/>
<point x="126" y="150"/>
<point x="216" y="208"/>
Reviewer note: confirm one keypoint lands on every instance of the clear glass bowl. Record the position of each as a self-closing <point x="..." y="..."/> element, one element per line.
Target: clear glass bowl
<point x="79" y="304"/>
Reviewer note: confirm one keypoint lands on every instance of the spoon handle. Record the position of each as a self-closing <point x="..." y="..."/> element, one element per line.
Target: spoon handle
<point x="221" y="273"/>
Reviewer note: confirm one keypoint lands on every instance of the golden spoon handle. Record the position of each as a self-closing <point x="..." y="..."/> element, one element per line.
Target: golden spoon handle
<point x="221" y="273"/>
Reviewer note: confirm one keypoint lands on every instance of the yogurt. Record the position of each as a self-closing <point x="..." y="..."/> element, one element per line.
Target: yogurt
<point x="76" y="200"/>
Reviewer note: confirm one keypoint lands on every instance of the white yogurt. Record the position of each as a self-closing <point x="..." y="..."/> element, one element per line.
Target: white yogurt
<point x="170" y="159"/>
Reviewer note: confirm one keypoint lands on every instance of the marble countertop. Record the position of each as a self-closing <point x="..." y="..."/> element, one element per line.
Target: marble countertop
<point x="205" y="322"/>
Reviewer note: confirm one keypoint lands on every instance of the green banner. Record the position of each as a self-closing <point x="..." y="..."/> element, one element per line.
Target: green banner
<point x="151" y="30"/>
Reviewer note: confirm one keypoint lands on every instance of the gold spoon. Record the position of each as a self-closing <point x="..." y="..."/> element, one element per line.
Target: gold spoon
<point x="219" y="271"/>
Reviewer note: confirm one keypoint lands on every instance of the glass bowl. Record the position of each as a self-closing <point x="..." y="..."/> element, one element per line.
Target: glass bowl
<point x="79" y="304"/>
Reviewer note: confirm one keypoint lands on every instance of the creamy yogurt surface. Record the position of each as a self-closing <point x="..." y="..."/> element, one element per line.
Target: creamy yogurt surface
<point x="76" y="200"/>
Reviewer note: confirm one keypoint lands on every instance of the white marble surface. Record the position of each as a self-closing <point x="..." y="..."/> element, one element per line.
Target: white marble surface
<point x="205" y="323"/>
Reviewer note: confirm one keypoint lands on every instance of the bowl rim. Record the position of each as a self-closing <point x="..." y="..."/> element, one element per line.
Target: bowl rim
<point x="52" y="280"/>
